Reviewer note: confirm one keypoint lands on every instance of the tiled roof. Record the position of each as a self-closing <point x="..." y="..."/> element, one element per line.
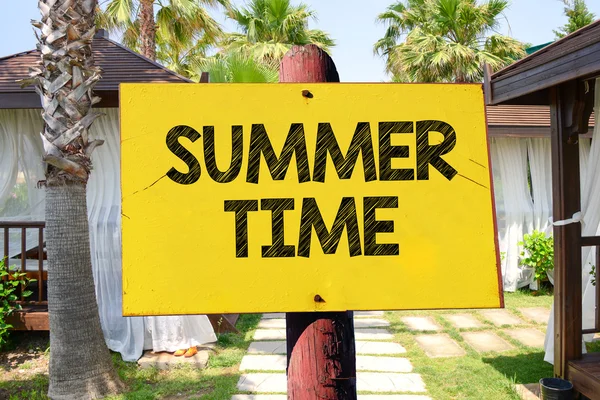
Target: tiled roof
<point x="521" y="116"/>
<point x="118" y="63"/>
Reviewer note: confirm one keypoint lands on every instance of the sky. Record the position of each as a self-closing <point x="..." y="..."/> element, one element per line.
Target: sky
<point x="352" y="23"/>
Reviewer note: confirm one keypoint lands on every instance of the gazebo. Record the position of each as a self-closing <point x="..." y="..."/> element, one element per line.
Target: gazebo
<point x="22" y="226"/>
<point x="562" y="76"/>
<point x="118" y="64"/>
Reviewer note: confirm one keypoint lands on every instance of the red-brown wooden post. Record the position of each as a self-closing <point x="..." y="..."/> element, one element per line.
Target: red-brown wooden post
<point x="567" y="238"/>
<point x="321" y="359"/>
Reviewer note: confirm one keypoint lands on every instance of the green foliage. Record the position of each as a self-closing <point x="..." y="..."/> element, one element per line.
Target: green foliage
<point x="17" y="201"/>
<point x="578" y="16"/>
<point x="445" y="40"/>
<point x="271" y="27"/>
<point x="10" y="281"/>
<point x="235" y="68"/>
<point x="593" y="275"/>
<point x="185" y="31"/>
<point x="538" y="253"/>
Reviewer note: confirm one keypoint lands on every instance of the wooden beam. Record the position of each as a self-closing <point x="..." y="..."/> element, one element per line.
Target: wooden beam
<point x="223" y="323"/>
<point x="571" y="66"/>
<point x="567" y="238"/>
<point x="320" y="346"/>
<point x="487" y="87"/>
<point x="29" y="320"/>
<point x="585" y="375"/>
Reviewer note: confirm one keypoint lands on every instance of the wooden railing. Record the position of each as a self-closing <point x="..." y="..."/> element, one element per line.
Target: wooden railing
<point x="38" y="274"/>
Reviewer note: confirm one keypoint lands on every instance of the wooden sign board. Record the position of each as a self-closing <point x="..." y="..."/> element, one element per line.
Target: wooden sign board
<point x="305" y="197"/>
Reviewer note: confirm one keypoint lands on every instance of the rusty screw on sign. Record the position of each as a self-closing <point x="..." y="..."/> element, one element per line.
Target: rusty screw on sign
<point x="319" y="299"/>
<point x="307" y="94"/>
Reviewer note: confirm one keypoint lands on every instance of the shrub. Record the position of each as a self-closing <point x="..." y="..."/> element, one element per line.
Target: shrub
<point x="538" y="253"/>
<point x="10" y="280"/>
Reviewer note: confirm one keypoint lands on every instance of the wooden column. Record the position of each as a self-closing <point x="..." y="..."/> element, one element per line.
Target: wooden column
<point x="567" y="249"/>
<point x="320" y="346"/>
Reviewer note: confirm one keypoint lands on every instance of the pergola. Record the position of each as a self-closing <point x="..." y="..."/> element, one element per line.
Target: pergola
<point x="562" y="76"/>
<point x="119" y="65"/>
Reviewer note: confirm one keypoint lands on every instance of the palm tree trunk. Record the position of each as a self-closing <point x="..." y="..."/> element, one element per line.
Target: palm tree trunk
<point x="80" y="363"/>
<point x="147" y="29"/>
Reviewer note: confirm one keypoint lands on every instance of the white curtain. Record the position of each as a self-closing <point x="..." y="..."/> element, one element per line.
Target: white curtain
<point x="514" y="207"/>
<point x="540" y="167"/>
<point x="122" y="334"/>
<point x="590" y="209"/>
<point x="20" y="170"/>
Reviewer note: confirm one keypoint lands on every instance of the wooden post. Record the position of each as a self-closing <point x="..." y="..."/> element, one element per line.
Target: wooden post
<point x="567" y="238"/>
<point x="321" y="360"/>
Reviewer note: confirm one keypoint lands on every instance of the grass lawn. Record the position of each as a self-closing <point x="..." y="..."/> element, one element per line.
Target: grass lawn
<point x="473" y="376"/>
<point x="216" y="382"/>
<point x="476" y="376"/>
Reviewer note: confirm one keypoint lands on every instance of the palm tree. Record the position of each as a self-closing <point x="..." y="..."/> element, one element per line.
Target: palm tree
<point x="578" y="16"/>
<point x="172" y="36"/>
<point x="80" y="363"/>
<point x="445" y="40"/>
<point x="271" y="27"/>
<point x="236" y="68"/>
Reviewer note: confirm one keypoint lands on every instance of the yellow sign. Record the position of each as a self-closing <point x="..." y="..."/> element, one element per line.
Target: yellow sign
<point x="304" y="197"/>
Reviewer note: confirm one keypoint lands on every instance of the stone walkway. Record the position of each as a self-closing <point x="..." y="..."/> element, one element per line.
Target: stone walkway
<point x="380" y="362"/>
<point x="382" y="365"/>
<point x="480" y="331"/>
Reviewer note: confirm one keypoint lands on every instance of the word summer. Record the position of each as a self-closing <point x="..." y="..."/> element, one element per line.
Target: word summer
<point x="311" y="218"/>
<point x="326" y="145"/>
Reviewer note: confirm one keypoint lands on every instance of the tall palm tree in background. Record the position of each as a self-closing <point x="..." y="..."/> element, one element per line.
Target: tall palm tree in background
<point x="181" y="31"/>
<point x="271" y="27"/>
<point x="578" y="16"/>
<point x="80" y="363"/>
<point x="445" y="40"/>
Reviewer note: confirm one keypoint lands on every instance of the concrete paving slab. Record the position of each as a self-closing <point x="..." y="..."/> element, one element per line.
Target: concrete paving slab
<point x="528" y="336"/>
<point x="372" y="334"/>
<point x="383" y="364"/>
<point x="365" y="382"/>
<point x="370" y="323"/>
<point x="463" y="321"/>
<point x="360" y="397"/>
<point x="379" y="348"/>
<point x="267" y="362"/>
<point x="486" y="341"/>
<point x="539" y="315"/>
<point x="359" y="334"/>
<point x="529" y="391"/>
<point x="421" y="324"/>
<point x="279" y="323"/>
<point x="278" y="315"/>
<point x="389" y="382"/>
<point x="263" y="383"/>
<point x="271" y="347"/>
<point x="273" y="323"/>
<point x="269" y="334"/>
<point x="164" y="361"/>
<point x="501" y="317"/>
<point x="392" y="397"/>
<point x="439" y="345"/>
<point x="277" y="362"/>
<point x="368" y="314"/>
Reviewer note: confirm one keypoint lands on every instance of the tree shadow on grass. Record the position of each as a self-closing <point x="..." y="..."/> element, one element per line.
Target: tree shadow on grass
<point x="522" y="368"/>
<point x="34" y="387"/>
